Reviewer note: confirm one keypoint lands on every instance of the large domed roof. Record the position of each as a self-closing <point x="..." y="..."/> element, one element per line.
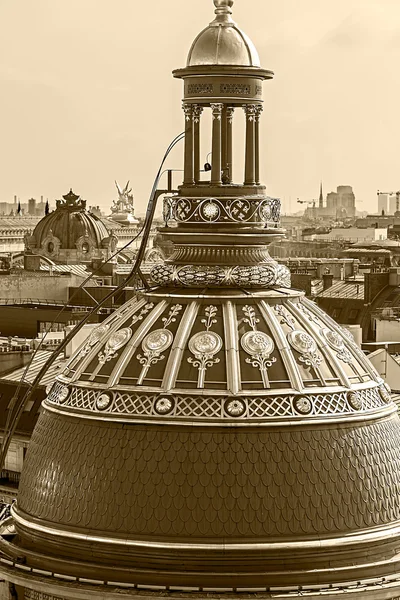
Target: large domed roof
<point x="222" y="42"/>
<point x="70" y="222"/>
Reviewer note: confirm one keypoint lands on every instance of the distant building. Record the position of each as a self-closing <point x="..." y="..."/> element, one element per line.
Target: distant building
<point x="342" y="203"/>
<point x="339" y="205"/>
<point x="71" y="235"/>
<point x="383" y="203"/>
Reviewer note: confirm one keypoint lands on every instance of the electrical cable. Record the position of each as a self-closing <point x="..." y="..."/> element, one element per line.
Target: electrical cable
<point x="19" y="404"/>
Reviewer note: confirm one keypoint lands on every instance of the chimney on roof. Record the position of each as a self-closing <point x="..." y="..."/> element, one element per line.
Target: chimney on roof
<point x="327" y="279"/>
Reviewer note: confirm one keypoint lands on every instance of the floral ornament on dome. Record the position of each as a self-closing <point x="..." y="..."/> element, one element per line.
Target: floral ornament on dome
<point x="336" y="342"/>
<point x="306" y="346"/>
<point x="307" y="312"/>
<point x="258" y="344"/>
<point x="204" y="345"/>
<point x="94" y="338"/>
<point x="115" y="342"/>
<point x="119" y="338"/>
<point x="156" y="342"/>
<point x="285" y="316"/>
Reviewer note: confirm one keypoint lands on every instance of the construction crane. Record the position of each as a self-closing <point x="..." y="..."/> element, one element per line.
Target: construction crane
<point x="313" y="202"/>
<point x="391" y="194"/>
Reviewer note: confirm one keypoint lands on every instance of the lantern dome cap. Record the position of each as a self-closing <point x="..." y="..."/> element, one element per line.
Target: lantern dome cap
<point x="222" y="42"/>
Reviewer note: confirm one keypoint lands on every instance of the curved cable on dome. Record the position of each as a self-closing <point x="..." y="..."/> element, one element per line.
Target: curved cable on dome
<point x="17" y="405"/>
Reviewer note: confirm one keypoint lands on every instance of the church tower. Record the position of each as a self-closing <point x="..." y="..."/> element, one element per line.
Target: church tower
<point x="218" y="434"/>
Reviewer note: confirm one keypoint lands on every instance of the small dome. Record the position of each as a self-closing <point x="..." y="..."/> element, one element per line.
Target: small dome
<point x="222" y="42"/>
<point x="70" y="222"/>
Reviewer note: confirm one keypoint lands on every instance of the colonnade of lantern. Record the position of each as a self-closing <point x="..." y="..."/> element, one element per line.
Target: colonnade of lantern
<point x="221" y="147"/>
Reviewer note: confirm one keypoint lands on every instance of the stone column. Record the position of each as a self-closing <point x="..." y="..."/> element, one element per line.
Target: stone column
<point x="249" y="172"/>
<point x="229" y="153"/>
<point x="224" y="166"/>
<point x="216" y="143"/>
<point x="197" y="110"/>
<point x="188" y="173"/>
<point x="258" y="111"/>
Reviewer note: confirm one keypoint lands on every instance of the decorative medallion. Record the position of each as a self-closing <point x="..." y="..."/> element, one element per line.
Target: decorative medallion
<point x="306" y="346"/>
<point x="302" y="405"/>
<point x="116" y="341"/>
<point x="205" y="345"/>
<point x="93" y="339"/>
<point x="163" y="406"/>
<point x="156" y="342"/>
<point x="336" y="342"/>
<point x="63" y="394"/>
<point x="235" y="408"/>
<point x="302" y="341"/>
<point x="210" y="211"/>
<point x="258" y="344"/>
<point x="103" y="401"/>
<point x="355" y="401"/>
<point x="384" y="391"/>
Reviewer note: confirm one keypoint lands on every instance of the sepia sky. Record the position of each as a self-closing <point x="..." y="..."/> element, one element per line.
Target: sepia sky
<point x="87" y="96"/>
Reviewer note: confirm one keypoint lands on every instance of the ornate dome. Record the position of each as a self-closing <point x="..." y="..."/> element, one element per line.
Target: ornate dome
<point x="222" y="42"/>
<point x="69" y="222"/>
<point x="70" y="233"/>
<point x="218" y="433"/>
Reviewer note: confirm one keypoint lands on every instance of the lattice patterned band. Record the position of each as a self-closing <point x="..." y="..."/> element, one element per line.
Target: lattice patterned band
<point x="208" y="407"/>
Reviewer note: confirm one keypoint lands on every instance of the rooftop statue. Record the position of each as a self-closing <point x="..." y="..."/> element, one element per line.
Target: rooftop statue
<point x="122" y="209"/>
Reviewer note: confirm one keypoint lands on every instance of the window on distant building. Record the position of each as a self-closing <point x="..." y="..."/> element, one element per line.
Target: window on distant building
<point x="336" y="312"/>
<point x="353" y="314"/>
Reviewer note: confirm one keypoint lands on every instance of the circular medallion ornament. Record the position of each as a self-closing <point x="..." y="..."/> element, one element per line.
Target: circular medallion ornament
<point x="103" y="401"/>
<point x="302" y="341"/>
<point x="63" y="394"/>
<point x="333" y="338"/>
<point x="235" y="408"/>
<point x="119" y="338"/>
<point x="205" y="342"/>
<point x="257" y="342"/>
<point x="210" y="211"/>
<point x="98" y="333"/>
<point x="302" y="405"/>
<point x="157" y="340"/>
<point x="385" y="393"/>
<point x="163" y="406"/>
<point x="354" y="400"/>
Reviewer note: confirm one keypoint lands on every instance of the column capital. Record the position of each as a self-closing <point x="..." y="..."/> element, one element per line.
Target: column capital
<point x="197" y="110"/>
<point x="229" y="114"/>
<point x="258" y="110"/>
<point x="188" y="110"/>
<point x="217" y="110"/>
<point x="250" y="111"/>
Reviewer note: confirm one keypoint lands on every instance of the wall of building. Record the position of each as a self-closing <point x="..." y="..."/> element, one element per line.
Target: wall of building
<point x="354" y="234"/>
<point x="11" y="360"/>
<point x="21" y="286"/>
<point x="374" y="283"/>
<point x="24" y="321"/>
<point x="387" y="330"/>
